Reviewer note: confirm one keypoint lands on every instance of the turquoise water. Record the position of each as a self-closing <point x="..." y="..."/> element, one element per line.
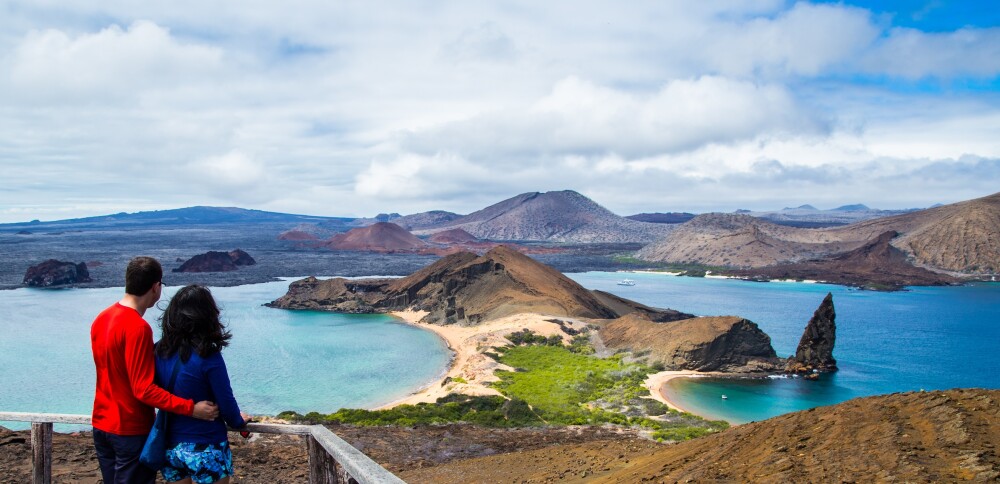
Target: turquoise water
<point x="278" y="360"/>
<point x="929" y="338"/>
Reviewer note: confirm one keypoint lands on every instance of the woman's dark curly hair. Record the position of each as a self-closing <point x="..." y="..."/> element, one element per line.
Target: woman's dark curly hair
<point x="191" y="322"/>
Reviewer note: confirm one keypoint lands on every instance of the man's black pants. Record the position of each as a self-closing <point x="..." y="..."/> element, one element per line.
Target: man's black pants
<point x="119" y="458"/>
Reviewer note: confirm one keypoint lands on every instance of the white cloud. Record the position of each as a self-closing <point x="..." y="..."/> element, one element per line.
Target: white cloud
<point x="913" y="54"/>
<point x="51" y="64"/>
<point x="341" y="108"/>
<point x="578" y="116"/>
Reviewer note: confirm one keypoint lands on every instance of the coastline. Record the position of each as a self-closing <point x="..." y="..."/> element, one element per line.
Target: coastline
<point x="656" y="383"/>
<point x="470" y="371"/>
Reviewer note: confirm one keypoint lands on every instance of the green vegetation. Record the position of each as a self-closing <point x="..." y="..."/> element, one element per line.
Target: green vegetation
<point x="552" y="384"/>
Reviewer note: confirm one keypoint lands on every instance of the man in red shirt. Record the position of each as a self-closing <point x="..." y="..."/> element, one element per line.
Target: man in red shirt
<point x="122" y="343"/>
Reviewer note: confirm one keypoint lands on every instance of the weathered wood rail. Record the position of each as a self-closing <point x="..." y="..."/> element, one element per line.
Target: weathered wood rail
<point x="331" y="459"/>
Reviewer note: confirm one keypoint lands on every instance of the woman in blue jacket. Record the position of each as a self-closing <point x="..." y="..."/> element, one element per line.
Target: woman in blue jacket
<point x="191" y="344"/>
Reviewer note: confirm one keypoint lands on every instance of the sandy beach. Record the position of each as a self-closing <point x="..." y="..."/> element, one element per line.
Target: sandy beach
<point x="470" y="370"/>
<point x="655" y="382"/>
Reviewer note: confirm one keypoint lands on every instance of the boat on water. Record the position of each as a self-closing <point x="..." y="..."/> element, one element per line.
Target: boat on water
<point x="626" y="282"/>
<point x="725" y="397"/>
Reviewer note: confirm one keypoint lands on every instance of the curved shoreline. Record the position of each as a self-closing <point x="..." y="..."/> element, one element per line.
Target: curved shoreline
<point x="470" y="371"/>
<point x="656" y="383"/>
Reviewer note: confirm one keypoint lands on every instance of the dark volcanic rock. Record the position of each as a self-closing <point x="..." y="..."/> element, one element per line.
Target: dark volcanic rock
<point x="213" y="261"/>
<point x="241" y="258"/>
<point x="56" y="273"/>
<point x="815" y="351"/>
<point x="722" y="343"/>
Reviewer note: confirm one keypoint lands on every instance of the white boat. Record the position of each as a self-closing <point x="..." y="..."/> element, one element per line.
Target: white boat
<point x="626" y="282"/>
<point x="725" y="397"/>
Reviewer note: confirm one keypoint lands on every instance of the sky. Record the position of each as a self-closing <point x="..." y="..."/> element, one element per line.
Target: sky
<point x="353" y="108"/>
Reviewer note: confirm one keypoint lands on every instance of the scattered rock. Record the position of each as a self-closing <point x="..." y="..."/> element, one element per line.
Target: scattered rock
<point x="56" y="273"/>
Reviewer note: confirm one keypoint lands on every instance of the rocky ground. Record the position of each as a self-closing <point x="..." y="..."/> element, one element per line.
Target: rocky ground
<point x="407" y="452"/>
<point x="949" y="436"/>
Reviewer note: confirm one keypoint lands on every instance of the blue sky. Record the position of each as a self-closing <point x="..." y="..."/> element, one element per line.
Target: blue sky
<point x="355" y="108"/>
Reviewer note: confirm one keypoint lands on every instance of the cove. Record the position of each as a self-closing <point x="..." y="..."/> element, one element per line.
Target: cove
<point x="277" y="359"/>
<point x="930" y="338"/>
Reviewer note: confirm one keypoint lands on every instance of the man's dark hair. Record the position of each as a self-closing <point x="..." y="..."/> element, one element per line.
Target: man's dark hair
<point x="141" y="274"/>
<point x="191" y="324"/>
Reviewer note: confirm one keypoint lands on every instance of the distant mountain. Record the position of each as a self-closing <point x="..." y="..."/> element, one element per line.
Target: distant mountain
<point x="380" y="237"/>
<point x="876" y="264"/>
<point x="181" y="216"/>
<point x="858" y="207"/>
<point x="809" y="216"/>
<point x="960" y="237"/>
<point x="662" y="218"/>
<point x="739" y="240"/>
<point x="565" y="216"/>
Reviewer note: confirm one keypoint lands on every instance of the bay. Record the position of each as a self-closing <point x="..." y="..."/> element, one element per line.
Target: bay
<point x="929" y="338"/>
<point x="277" y="359"/>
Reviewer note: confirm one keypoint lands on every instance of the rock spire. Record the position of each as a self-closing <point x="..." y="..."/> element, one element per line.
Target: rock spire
<point x="815" y="351"/>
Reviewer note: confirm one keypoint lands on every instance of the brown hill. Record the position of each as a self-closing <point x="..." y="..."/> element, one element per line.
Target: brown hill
<point x="453" y="236"/>
<point x="946" y="436"/>
<point x="876" y="264"/>
<point x="565" y="216"/>
<point x="460" y="288"/>
<point x="960" y="237"/>
<point x="737" y="240"/>
<point x="724" y="343"/>
<point x="378" y="237"/>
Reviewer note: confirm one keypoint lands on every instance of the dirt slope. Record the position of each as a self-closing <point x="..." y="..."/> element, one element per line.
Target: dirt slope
<point x="913" y="437"/>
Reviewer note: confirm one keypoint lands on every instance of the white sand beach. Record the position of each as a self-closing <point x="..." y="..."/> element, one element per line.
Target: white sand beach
<point x="472" y="369"/>
<point x="656" y="383"/>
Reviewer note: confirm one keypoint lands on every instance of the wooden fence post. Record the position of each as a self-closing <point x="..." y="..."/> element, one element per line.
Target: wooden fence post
<point x="41" y="452"/>
<point x="322" y="468"/>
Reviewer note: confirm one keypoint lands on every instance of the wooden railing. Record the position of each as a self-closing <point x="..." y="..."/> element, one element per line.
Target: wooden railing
<point x="331" y="459"/>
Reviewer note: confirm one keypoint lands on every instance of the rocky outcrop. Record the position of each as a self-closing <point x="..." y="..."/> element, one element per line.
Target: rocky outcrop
<point x="378" y="237"/>
<point x="56" y="273"/>
<point x="213" y="261"/>
<point x="462" y="288"/>
<point x="815" y="351"/>
<point x="723" y="344"/>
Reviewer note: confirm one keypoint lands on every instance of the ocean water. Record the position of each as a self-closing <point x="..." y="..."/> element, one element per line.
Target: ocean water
<point x="277" y="359"/>
<point x="930" y="338"/>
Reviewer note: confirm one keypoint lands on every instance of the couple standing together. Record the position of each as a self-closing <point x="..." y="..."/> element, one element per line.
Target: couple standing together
<point x="132" y="374"/>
